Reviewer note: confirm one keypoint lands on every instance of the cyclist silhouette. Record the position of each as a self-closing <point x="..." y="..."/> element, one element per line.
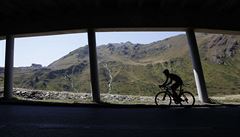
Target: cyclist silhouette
<point x="172" y="79"/>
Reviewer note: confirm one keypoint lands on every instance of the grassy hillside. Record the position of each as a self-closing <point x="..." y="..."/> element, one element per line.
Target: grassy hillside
<point x="221" y="63"/>
<point x="137" y="68"/>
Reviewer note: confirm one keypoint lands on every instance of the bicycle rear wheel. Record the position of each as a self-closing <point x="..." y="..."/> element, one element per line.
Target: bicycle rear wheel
<point x="163" y="98"/>
<point x="187" y="98"/>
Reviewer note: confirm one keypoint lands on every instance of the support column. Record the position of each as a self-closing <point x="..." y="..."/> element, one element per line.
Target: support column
<point x="93" y="65"/>
<point x="8" y="72"/>
<point x="197" y="67"/>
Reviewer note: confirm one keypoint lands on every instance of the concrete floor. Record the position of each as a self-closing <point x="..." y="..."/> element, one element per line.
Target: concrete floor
<point x="90" y="121"/>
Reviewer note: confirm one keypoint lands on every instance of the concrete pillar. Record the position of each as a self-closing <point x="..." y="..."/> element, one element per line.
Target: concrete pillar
<point x="93" y="65"/>
<point x="197" y="67"/>
<point x="8" y="72"/>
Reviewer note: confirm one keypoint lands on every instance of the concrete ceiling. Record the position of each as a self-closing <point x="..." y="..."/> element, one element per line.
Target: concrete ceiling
<point x="41" y="16"/>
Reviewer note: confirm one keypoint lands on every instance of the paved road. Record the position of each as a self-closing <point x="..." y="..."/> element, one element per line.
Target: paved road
<point x="65" y="121"/>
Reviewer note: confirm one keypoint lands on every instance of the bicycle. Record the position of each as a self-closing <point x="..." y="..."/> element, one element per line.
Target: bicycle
<point x="165" y="97"/>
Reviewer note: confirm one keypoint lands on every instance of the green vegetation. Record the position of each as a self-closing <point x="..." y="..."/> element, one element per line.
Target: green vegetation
<point x="136" y="69"/>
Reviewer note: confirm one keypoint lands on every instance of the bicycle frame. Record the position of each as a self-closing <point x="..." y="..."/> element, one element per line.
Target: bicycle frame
<point x="169" y="91"/>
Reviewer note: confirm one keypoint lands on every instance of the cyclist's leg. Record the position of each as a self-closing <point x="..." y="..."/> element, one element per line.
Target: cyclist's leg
<point x="180" y="92"/>
<point x="174" y="88"/>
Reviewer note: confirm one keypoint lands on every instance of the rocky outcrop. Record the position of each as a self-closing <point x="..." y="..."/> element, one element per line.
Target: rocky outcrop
<point x="50" y="95"/>
<point x="36" y="66"/>
<point x="221" y="47"/>
<point x="28" y="94"/>
<point x="127" y="99"/>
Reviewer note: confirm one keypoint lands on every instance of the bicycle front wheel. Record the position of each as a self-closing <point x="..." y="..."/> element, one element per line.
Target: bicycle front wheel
<point x="163" y="98"/>
<point x="187" y="98"/>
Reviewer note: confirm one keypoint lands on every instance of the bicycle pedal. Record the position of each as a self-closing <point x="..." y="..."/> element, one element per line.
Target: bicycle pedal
<point x="176" y="101"/>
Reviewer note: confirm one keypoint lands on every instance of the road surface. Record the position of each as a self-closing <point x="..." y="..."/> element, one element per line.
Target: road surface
<point x="87" y="121"/>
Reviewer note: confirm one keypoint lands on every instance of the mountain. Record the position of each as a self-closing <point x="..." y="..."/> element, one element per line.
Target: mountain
<point x="128" y="53"/>
<point x="132" y="68"/>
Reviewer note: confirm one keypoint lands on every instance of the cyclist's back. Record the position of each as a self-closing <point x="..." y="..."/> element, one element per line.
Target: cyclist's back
<point x="176" y="78"/>
<point x="172" y="79"/>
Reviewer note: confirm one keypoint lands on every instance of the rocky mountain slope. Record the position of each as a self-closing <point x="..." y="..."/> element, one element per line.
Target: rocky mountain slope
<point x="131" y="68"/>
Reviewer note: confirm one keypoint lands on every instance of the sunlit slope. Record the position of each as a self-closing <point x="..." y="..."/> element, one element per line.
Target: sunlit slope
<point x="221" y="62"/>
<point x="75" y="57"/>
<point x="137" y="68"/>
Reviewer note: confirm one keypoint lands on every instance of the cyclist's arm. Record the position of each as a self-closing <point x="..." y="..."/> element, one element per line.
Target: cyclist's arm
<point x="165" y="83"/>
<point x="170" y="82"/>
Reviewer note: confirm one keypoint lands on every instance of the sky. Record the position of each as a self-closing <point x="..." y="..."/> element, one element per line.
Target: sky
<point x="46" y="49"/>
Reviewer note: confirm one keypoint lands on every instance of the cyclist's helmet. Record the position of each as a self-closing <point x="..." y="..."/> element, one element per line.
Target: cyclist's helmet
<point x="166" y="71"/>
